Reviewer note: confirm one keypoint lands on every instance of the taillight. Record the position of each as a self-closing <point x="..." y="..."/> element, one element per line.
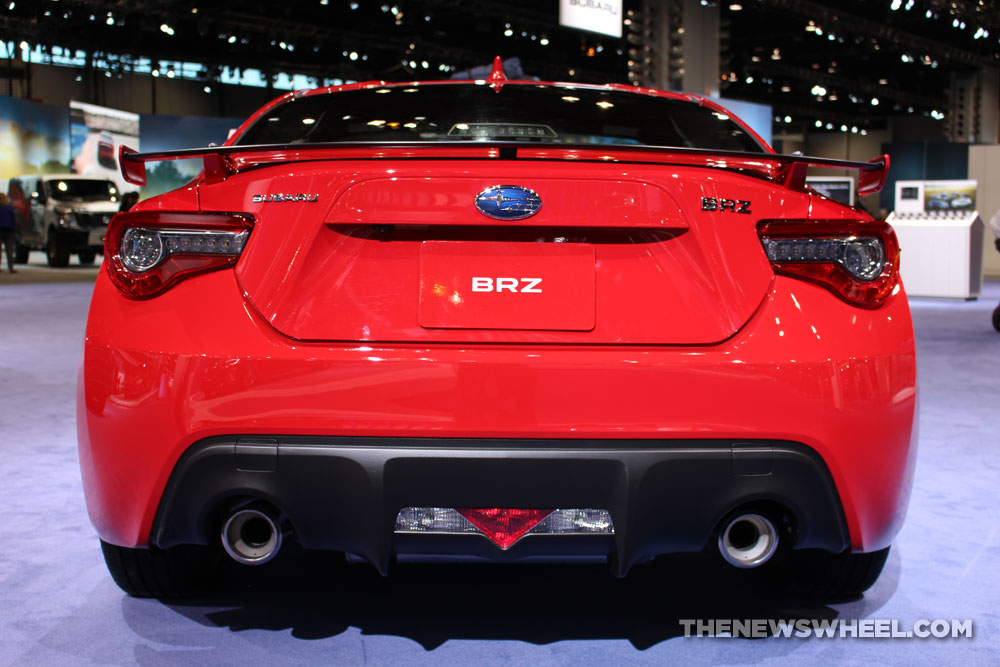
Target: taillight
<point x="149" y="251"/>
<point x="856" y="260"/>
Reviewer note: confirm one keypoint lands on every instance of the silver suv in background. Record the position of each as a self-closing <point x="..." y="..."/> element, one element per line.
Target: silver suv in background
<point x="62" y="214"/>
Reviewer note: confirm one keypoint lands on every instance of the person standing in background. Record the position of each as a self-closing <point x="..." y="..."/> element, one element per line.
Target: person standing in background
<point x="8" y="230"/>
<point x="995" y="226"/>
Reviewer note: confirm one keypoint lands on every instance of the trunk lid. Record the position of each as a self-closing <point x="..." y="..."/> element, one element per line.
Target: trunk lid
<point x="396" y="251"/>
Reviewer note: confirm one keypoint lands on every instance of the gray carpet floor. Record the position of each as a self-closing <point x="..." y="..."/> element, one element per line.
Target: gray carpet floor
<point x="58" y="605"/>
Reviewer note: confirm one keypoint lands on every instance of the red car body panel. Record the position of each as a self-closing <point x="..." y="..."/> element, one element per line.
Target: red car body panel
<point x="792" y="373"/>
<point x="322" y="279"/>
<point x="345" y="316"/>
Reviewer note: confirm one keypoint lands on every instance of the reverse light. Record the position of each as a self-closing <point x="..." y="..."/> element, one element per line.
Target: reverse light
<point x="149" y="251"/>
<point x="856" y="260"/>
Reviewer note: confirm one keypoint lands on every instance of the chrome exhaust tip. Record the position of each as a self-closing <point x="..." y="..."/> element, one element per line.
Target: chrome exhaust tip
<point x="251" y="537"/>
<point x="748" y="540"/>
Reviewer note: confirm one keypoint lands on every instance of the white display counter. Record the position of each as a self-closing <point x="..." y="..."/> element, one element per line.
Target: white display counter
<point x="941" y="253"/>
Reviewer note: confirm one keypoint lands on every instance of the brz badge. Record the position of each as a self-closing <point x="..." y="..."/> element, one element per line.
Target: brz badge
<point x="508" y="202"/>
<point x="724" y="205"/>
<point x="281" y="197"/>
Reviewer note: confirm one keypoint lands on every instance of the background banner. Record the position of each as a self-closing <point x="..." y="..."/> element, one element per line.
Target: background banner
<point x="34" y="139"/>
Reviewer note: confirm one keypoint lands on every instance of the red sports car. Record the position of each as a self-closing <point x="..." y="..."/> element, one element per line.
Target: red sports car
<point x="498" y="320"/>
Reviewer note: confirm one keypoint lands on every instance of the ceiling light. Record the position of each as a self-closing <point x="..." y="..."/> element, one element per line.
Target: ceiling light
<point x="735" y="7"/>
<point x="167" y="29"/>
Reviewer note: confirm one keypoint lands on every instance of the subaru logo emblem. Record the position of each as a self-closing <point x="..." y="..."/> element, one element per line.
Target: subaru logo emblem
<point x="508" y="202"/>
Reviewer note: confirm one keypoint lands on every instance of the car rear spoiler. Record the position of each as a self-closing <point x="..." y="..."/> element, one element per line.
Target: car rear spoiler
<point x="220" y="162"/>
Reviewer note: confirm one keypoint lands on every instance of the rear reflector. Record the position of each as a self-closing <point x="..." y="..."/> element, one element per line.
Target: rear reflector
<point x="504" y="527"/>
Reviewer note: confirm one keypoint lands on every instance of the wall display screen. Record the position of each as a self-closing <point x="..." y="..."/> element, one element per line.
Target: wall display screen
<point x="603" y="16"/>
<point x="96" y="133"/>
<point x="950" y="196"/>
<point x="837" y="188"/>
<point x="936" y="197"/>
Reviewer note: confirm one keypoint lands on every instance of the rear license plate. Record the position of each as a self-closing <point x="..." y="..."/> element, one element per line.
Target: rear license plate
<point x="535" y="286"/>
<point x="96" y="236"/>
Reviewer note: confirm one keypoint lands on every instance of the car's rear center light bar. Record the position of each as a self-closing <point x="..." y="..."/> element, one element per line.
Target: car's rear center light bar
<point x="504" y="527"/>
<point x="150" y="251"/>
<point x="857" y="260"/>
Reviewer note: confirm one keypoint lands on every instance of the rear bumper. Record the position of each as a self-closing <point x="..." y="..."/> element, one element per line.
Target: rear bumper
<point x="343" y="494"/>
<point x="197" y="363"/>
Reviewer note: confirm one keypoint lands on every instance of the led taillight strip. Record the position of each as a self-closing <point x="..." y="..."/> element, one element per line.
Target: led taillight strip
<point x="147" y="252"/>
<point x="857" y="260"/>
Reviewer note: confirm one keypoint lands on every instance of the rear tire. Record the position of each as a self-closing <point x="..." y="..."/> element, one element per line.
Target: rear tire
<point x="180" y="572"/>
<point x="996" y="318"/>
<point x="56" y="252"/>
<point x="87" y="257"/>
<point x="820" y="573"/>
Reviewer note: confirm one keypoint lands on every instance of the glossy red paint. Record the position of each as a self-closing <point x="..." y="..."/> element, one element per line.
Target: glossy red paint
<point x="314" y="274"/>
<point x="153" y="385"/>
<point x="332" y="324"/>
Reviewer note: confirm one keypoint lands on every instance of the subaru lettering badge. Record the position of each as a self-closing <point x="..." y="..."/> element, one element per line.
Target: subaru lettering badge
<point x="508" y="202"/>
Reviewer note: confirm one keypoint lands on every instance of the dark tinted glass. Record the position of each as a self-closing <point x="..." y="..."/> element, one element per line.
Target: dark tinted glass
<point x="85" y="189"/>
<point x="517" y="112"/>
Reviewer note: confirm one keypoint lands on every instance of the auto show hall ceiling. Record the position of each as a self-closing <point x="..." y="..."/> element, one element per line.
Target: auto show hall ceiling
<point x="847" y="59"/>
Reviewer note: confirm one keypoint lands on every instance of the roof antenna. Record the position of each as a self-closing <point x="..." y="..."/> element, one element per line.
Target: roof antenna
<point x="497" y="77"/>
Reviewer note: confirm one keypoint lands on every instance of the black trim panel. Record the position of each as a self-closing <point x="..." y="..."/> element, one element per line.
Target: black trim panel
<point x="343" y="494"/>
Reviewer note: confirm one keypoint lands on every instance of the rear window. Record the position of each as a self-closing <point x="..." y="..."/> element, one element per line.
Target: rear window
<point x="515" y="112"/>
